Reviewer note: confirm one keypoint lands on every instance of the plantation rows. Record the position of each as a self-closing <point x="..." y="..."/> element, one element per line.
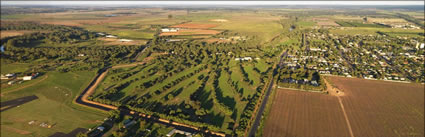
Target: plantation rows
<point x="207" y="90"/>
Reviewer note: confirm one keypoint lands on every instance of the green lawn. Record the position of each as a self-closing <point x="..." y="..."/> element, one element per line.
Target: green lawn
<point x="14" y="67"/>
<point x="54" y="106"/>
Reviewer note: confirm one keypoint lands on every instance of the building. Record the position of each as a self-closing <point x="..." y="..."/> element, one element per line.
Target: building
<point x="27" y="78"/>
<point x="125" y="40"/>
<point x="101" y="34"/>
<point x="111" y="36"/>
<point x="174" y="131"/>
<point x="7" y="76"/>
<point x="170" y="30"/>
<point x="244" y="58"/>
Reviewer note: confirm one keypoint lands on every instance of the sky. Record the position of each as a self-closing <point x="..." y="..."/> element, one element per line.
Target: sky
<point x="212" y="2"/>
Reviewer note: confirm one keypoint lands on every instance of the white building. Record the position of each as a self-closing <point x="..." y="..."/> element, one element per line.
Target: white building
<point x="244" y="58"/>
<point x="111" y="36"/>
<point x="125" y="40"/>
<point x="170" y="30"/>
<point x="27" y="78"/>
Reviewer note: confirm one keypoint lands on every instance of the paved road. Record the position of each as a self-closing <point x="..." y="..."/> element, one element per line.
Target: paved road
<point x="260" y="111"/>
<point x="257" y="120"/>
<point x="16" y="102"/>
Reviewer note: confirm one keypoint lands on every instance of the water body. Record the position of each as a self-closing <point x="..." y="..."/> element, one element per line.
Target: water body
<point x="2" y="48"/>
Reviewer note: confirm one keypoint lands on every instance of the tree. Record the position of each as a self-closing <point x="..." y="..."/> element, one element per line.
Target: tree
<point x="81" y="134"/>
<point x="170" y="16"/>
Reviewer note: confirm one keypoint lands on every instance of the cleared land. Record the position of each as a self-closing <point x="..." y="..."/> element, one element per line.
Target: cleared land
<point x="191" y="32"/>
<point x="11" y="33"/>
<point x="306" y="114"/>
<point x="379" y="108"/>
<point x="373" y="108"/>
<point x="194" y="26"/>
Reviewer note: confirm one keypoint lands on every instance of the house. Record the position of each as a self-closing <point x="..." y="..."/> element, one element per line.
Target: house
<point x="7" y="76"/>
<point x="125" y="40"/>
<point x="173" y="40"/>
<point x="101" y="34"/>
<point x="244" y="58"/>
<point x="174" y="131"/>
<point x="101" y="128"/>
<point x="111" y="36"/>
<point x="170" y="30"/>
<point x="315" y="49"/>
<point x="81" y="55"/>
<point x="32" y="76"/>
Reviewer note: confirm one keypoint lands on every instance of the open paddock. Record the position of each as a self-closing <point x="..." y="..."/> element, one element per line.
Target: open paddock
<point x="327" y="23"/>
<point x="367" y="108"/>
<point x="194" y="26"/>
<point x="191" y="32"/>
<point x="380" y="108"/>
<point x="306" y="114"/>
<point x="11" y="33"/>
<point x="112" y="41"/>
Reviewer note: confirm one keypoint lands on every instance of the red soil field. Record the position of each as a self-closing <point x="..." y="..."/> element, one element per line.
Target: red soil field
<point x="194" y="26"/>
<point x="305" y="114"/>
<point x="191" y="32"/>
<point x="379" y="108"/>
<point x="373" y="108"/>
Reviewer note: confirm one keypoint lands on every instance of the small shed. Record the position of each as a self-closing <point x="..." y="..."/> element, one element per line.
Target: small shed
<point x="27" y="78"/>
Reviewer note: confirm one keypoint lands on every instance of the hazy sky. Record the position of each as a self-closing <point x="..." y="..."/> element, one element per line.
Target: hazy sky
<point x="212" y="2"/>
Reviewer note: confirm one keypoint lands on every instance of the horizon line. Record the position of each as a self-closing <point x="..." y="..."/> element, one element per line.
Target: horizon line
<point x="220" y="3"/>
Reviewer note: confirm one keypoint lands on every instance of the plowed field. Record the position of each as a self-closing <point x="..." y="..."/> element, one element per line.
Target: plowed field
<point x="373" y="108"/>
<point x="379" y="108"/>
<point x="305" y="114"/>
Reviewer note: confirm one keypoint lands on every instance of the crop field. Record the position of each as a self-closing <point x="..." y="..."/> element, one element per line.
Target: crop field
<point x="379" y="108"/>
<point x="299" y="113"/>
<point x="54" y="107"/>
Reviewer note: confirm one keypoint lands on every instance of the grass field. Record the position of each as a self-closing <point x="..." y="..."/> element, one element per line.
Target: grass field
<point x="373" y="31"/>
<point x="14" y="67"/>
<point x="54" y="106"/>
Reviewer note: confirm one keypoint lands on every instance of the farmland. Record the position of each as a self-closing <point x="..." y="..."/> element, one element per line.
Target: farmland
<point x="378" y="108"/>
<point x="210" y="71"/>
<point x="297" y="113"/>
<point x="373" y="108"/>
